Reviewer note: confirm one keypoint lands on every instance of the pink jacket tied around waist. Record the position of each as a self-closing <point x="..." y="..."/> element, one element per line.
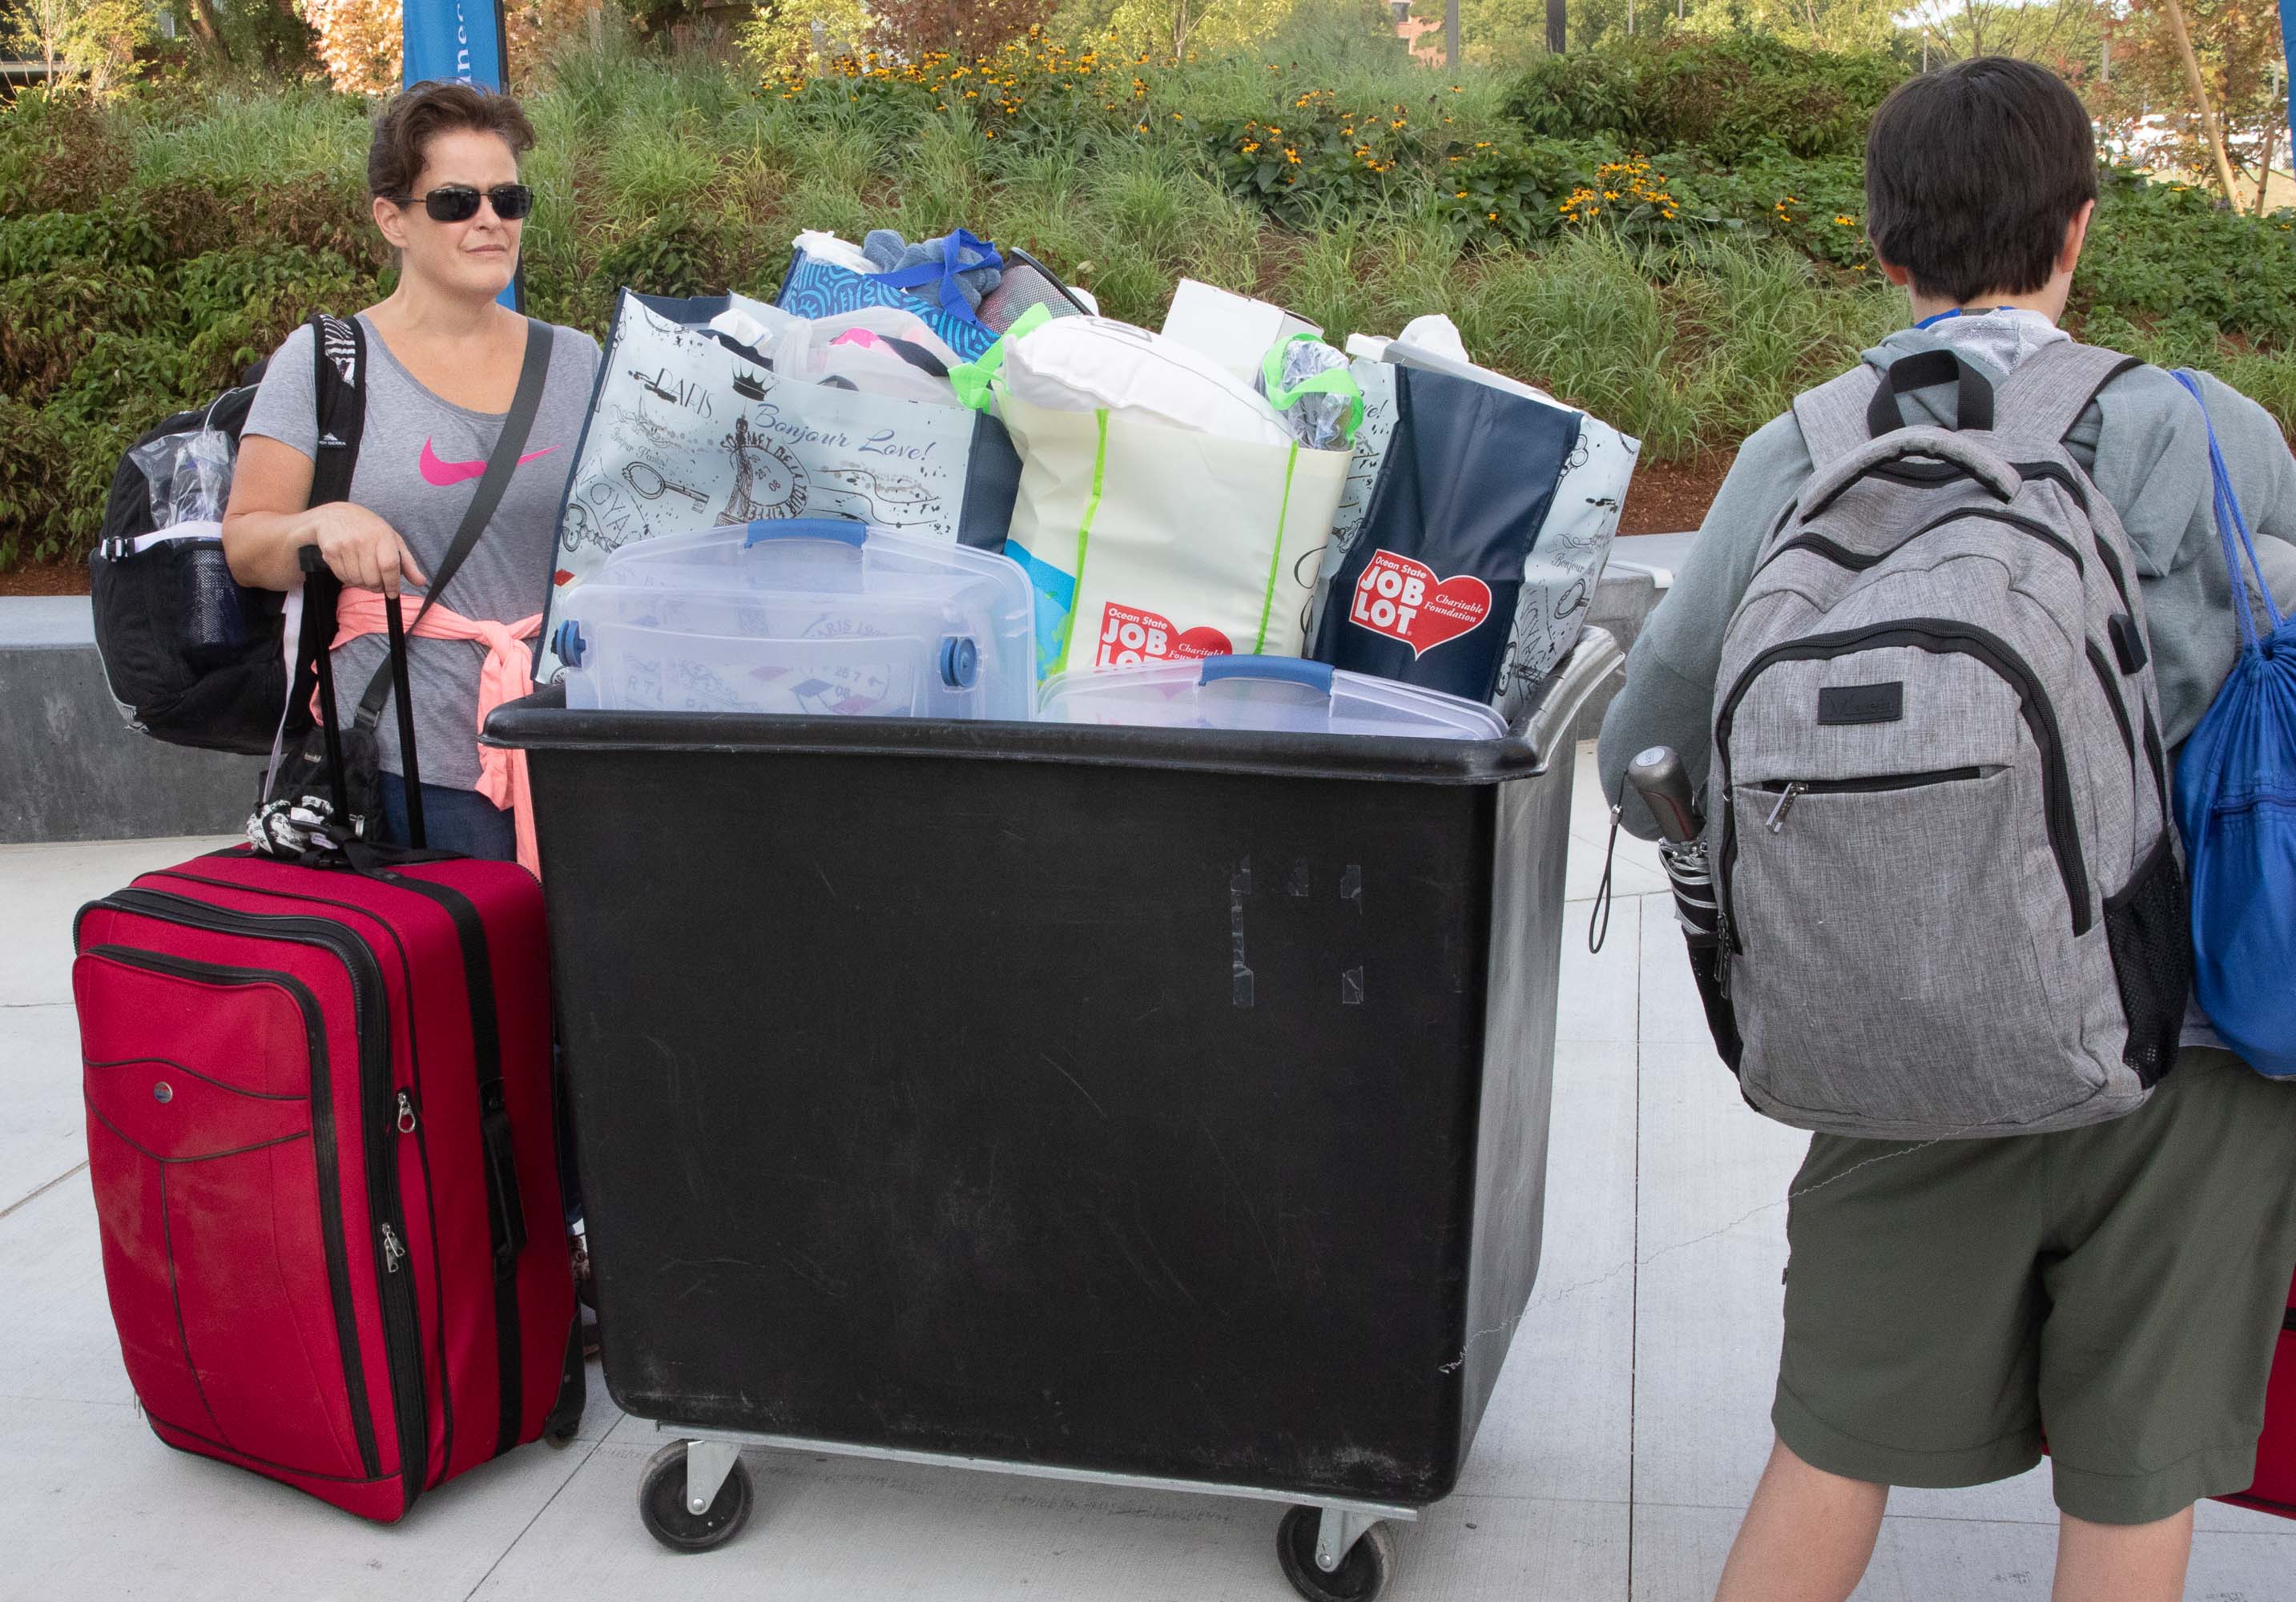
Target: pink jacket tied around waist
<point x="506" y="675"/>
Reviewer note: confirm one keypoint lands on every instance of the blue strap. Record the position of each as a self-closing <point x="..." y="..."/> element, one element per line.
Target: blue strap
<point x="945" y="272"/>
<point x="1934" y="318"/>
<point x="2230" y="522"/>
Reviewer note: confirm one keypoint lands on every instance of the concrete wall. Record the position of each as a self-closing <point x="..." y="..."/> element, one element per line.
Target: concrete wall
<point x="70" y="768"/>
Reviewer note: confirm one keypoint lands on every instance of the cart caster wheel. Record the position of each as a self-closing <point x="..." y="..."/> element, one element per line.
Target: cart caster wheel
<point x="1362" y="1574"/>
<point x="661" y="1504"/>
<point x="559" y="1440"/>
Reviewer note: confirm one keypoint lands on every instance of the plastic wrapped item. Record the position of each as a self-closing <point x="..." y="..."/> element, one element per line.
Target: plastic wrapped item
<point x="1308" y="382"/>
<point x="1275" y="694"/>
<point x="804" y="617"/>
<point x="1435" y="333"/>
<point x="189" y="473"/>
<point x="830" y="248"/>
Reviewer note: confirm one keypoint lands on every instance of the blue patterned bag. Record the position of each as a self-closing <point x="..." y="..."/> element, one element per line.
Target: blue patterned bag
<point x="820" y="288"/>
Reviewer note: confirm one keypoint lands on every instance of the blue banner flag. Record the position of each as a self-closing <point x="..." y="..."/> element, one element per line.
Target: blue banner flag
<point x="462" y="41"/>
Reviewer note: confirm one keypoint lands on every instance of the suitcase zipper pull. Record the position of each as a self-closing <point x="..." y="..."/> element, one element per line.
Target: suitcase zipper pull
<point x="408" y="1122"/>
<point x="393" y="1253"/>
<point x="1777" y="818"/>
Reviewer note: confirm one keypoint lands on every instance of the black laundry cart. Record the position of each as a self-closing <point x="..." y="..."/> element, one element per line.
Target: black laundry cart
<point x="1158" y="1107"/>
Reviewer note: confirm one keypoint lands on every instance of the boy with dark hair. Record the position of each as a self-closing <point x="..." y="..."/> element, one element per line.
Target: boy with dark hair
<point x="2118" y="1285"/>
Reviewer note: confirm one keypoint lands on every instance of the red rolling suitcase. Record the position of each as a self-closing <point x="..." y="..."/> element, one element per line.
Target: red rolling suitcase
<point x="320" y="1135"/>
<point x="2274" y="1489"/>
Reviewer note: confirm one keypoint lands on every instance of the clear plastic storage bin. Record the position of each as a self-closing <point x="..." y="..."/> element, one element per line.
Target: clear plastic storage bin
<point x="807" y="616"/>
<point x="1275" y="694"/>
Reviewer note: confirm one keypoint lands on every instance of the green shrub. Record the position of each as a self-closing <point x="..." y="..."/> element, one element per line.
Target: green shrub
<point x="1670" y="233"/>
<point x="34" y="454"/>
<point x="1731" y="96"/>
<point x="50" y="321"/>
<point x="2162" y="252"/>
<point x="59" y="153"/>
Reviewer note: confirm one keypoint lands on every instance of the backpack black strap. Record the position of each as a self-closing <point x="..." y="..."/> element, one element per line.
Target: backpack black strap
<point x="308" y="619"/>
<point x="533" y="375"/>
<point x="1973" y="406"/>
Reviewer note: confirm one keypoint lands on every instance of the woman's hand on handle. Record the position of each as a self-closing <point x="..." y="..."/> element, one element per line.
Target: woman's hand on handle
<point x="361" y="549"/>
<point x="268" y="523"/>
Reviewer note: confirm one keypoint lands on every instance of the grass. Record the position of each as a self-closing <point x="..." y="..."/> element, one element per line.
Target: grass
<point x="232" y="141"/>
<point x="150" y="248"/>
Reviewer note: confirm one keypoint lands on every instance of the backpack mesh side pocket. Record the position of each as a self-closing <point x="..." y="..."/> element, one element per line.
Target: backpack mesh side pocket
<point x="2149" y="926"/>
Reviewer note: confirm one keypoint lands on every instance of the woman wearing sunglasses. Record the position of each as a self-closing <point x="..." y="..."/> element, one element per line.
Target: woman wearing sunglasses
<point x="443" y="358"/>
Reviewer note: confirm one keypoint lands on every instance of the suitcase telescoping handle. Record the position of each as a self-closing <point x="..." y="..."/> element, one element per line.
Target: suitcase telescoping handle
<point x="312" y="562"/>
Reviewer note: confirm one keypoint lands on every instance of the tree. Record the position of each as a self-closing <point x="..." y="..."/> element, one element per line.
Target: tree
<point x="962" y="28"/>
<point x="88" y="43"/>
<point x="2210" y="128"/>
<point x="359" y="42"/>
<point x="793" y="38"/>
<point x="2203" y="98"/>
<point x="1173" y="27"/>
<point x="2054" y="33"/>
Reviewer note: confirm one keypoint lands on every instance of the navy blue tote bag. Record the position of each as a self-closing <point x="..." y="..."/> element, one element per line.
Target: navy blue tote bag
<point x="2237" y="808"/>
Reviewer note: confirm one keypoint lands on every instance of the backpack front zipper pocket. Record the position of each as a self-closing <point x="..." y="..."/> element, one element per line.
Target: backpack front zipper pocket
<point x="1940" y="636"/>
<point x="1790" y="790"/>
<point x="1869" y="993"/>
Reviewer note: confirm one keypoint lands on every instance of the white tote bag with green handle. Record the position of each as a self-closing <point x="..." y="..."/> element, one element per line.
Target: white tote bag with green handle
<point x="1151" y="543"/>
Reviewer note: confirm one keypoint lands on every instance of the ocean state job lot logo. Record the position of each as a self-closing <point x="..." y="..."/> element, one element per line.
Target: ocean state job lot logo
<point x="1403" y="600"/>
<point x="1128" y="635"/>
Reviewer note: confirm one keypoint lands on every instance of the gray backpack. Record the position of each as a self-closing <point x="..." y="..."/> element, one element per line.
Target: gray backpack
<point x="1951" y="903"/>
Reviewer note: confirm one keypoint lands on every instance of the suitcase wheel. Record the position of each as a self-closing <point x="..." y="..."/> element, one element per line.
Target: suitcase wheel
<point x="1362" y="1565"/>
<point x="669" y="1513"/>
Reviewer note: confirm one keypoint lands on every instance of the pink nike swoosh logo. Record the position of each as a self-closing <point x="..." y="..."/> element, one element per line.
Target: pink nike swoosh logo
<point x="443" y="473"/>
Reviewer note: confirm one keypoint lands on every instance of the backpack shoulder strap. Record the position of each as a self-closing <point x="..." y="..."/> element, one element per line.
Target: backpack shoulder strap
<point x="339" y="372"/>
<point x="338" y="359"/>
<point x="2045" y="395"/>
<point x="1832" y="416"/>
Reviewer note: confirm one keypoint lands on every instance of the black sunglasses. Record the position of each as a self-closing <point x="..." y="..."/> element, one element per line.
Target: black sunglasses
<point x="459" y="202"/>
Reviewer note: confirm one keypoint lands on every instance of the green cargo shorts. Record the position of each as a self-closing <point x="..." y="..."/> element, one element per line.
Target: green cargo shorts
<point x="2118" y="1288"/>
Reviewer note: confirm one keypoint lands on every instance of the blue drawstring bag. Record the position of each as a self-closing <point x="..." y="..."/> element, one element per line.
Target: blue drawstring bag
<point x="2237" y="808"/>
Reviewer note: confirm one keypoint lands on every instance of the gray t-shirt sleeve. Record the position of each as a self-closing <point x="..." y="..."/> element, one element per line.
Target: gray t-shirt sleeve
<point x="1668" y="699"/>
<point x="286" y="405"/>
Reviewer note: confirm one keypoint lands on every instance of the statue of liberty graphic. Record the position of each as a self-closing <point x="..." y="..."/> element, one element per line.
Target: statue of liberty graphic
<point x="767" y="481"/>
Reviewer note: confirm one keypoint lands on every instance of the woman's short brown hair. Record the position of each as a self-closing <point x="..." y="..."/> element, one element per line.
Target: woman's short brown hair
<point x="408" y="123"/>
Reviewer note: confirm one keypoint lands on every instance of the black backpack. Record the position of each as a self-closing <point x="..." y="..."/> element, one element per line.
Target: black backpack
<point x="191" y="656"/>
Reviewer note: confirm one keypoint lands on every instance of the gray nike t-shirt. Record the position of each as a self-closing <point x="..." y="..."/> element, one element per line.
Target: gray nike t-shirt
<point x="420" y="461"/>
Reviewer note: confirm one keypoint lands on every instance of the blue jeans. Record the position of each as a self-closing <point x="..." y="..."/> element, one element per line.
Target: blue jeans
<point x="454" y="820"/>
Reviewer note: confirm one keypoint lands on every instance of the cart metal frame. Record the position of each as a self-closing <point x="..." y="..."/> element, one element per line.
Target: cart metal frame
<point x="710" y="1456"/>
